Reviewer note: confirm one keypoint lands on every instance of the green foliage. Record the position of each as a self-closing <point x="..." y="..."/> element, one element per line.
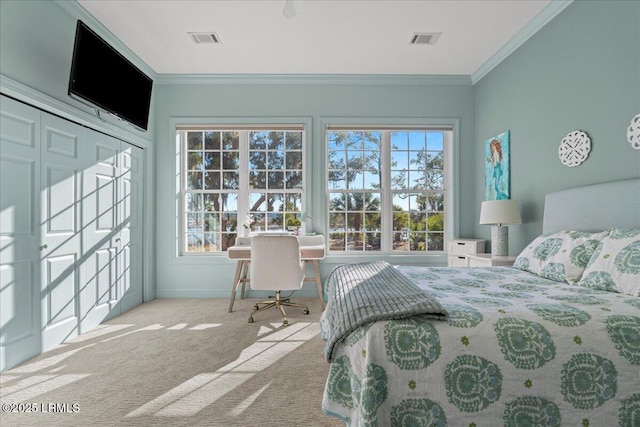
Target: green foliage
<point x="436" y="222"/>
<point x="292" y="221"/>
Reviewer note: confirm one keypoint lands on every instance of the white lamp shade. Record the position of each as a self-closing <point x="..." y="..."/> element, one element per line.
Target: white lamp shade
<point x="502" y="212"/>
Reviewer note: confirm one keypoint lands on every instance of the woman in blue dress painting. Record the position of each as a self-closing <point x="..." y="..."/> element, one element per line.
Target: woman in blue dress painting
<point x="496" y="161"/>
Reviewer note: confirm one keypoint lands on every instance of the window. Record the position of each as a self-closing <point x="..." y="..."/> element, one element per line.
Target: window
<point x="387" y="189"/>
<point x="228" y="174"/>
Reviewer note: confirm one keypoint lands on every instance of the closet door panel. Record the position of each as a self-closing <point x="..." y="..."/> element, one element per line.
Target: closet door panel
<point x="131" y="211"/>
<point x="19" y="193"/>
<point x="18" y="245"/>
<point x="100" y="291"/>
<point x="19" y="232"/>
<point x="124" y="215"/>
<point x="60" y="193"/>
<point x="60" y="273"/>
<point x="63" y="158"/>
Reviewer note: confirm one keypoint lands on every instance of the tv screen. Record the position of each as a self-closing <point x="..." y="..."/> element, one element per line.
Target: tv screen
<point x="103" y="77"/>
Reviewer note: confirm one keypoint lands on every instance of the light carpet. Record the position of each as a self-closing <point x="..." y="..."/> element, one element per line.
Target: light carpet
<point x="178" y="362"/>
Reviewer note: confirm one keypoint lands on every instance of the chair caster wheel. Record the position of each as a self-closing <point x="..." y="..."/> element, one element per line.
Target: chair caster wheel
<point x="250" y="319"/>
<point x="306" y="311"/>
<point x="285" y="322"/>
<point x="255" y="307"/>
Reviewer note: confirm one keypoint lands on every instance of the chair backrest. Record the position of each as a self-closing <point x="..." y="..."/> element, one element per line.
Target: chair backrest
<point x="275" y="263"/>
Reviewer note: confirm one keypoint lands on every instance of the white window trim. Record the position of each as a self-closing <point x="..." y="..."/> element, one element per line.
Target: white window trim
<point x="234" y="123"/>
<point x="451" y="147"/>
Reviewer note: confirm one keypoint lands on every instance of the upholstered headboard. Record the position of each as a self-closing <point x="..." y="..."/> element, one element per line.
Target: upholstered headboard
<point x="593" y="207"/>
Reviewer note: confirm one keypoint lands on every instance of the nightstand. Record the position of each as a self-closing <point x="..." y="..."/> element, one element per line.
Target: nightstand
<point x="458" y="251"/>
<point x="487" y="260"/>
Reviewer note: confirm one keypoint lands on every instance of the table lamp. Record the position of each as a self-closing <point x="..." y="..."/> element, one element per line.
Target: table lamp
<point x="499" y="213"/>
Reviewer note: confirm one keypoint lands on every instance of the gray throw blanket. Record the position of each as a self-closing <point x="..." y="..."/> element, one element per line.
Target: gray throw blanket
<point x="366" y="292"/>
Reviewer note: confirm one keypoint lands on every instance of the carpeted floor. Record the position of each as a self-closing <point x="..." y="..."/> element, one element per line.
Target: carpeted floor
<point x="180" y="362"/>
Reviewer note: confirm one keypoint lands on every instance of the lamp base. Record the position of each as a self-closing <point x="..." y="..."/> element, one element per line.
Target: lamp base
<point x="499" y="240"/>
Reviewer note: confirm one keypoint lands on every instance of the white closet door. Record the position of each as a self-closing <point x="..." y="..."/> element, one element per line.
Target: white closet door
<point x="130" y="213"/>
<point x="100" y="291"/>
<point x="64" y="155"/>
<point x="19" y="232"/>
<point x="70" y="230"/>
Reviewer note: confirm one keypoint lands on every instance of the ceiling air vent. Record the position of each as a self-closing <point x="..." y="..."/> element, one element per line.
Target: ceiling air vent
<point x="425" y="38"/>
<point x="202" y="38"/>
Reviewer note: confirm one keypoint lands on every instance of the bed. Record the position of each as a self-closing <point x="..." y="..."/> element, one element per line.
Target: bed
<point x="554" y="340"/>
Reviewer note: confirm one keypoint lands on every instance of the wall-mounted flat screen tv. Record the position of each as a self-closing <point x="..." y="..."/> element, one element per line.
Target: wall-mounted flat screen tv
<point x="105" y="79"/>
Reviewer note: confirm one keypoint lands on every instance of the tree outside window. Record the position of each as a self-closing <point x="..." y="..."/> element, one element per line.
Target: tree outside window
<point x="229" y="174"/>
<point x="386" y="183"/>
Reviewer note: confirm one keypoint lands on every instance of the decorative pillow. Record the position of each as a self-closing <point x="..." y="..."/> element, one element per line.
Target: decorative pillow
<point x="615" y="265"/>
<point x="560" y="256"/>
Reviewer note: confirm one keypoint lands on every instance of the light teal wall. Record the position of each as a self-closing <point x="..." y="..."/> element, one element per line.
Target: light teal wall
<point x="311" y="98"/>
<point x="579" y="72"/>
<point x="36" y="46"/>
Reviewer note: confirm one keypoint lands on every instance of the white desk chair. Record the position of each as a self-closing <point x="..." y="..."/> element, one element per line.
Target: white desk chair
<point x="276" y="266"/>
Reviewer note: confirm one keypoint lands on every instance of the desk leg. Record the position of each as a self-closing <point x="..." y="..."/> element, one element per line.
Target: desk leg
<point x="245" y="271"/>
<point x="316" y="272"/>
<point x="236" y="280"/>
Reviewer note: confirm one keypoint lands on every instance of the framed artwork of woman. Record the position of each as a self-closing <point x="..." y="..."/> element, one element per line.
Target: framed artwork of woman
<point x="497" y="170"/>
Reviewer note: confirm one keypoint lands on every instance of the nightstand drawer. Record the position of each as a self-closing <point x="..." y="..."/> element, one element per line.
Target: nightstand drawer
<point x="465" y="246"/>
<point x="458" y="261"/>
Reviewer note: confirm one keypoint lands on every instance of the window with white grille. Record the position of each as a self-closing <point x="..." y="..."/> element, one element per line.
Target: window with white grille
<point x="228" y="175"/>
<point x="387" y="189"/>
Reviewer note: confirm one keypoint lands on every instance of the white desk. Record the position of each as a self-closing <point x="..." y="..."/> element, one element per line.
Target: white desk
<point x="312" y="249"/>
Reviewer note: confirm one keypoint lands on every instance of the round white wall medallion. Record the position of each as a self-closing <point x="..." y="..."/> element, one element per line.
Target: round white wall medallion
<point x="574" y="148"/>
<point x="633" y="133"/>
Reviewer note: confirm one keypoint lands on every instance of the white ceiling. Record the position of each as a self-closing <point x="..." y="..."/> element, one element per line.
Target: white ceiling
<point x="324" y="37"/>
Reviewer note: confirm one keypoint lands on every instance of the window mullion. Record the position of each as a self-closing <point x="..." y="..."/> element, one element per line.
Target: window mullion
<point x="448" y="168"/>
<point x="387" y="196"/>
<point x="181" y="165"/>
<point x="243" y="178"/>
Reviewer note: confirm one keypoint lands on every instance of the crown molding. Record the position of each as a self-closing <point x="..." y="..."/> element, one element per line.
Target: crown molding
<point x="320" y="79"/>
<point x="539" y="21"/>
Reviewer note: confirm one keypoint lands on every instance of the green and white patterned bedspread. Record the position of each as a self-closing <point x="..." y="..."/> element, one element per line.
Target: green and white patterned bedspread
<point x="516" y="350"/>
